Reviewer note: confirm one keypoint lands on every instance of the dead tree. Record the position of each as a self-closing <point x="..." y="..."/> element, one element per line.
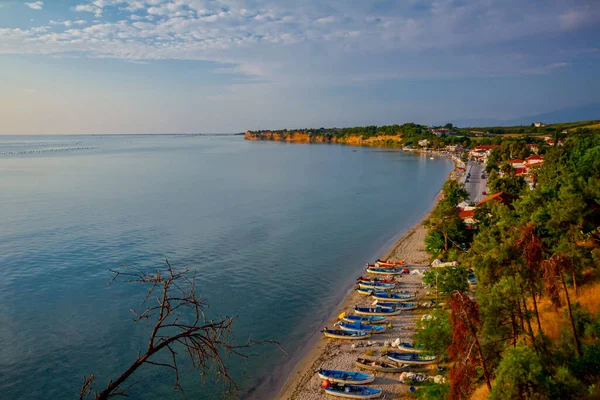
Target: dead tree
<point x="178" y="326"/>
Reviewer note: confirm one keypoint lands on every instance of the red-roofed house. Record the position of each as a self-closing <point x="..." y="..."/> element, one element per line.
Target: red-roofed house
<point x="482" y="151"/>
<point x="468" y="217"/>
<point x="534" y="160"/>
<point x="499" y="197"/>
<point x="517" y="163"/>
<point x="439" y="132"/>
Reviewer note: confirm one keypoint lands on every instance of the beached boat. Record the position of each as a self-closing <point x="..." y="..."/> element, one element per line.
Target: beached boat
<point x="370" y="320"/>
<point x="348" y="377"/>
<point x="380" y="366"/>
<point x="409" y="348"/>
<point x="411" y="358"/>
<point x="393" y="297"/>
<point x="388" y="263"/>
<point x="365" y="292"/>
<point x="376" y="285"/>
<point x="380" y="279"/>
<point x="384" y="271"/>
<point x="397" y="305"/>
<point x="382" y="311"/>
<point x="358" y="327"/>
<point x="353" y="392"/>
<point x="347" y="335"/>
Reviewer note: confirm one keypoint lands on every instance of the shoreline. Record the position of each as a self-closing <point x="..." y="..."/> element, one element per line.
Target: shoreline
<point x="302" y="382"/>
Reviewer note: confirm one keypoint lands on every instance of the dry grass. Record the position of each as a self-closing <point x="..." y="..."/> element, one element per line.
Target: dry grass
<point x="481" y="393"/>
<point x="594" y="126"/>
<point x="553" y="320"/>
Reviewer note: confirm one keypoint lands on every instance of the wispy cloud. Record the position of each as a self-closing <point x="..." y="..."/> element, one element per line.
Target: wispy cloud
<point x="329" y="41"/>
<point x="36" y="5"/>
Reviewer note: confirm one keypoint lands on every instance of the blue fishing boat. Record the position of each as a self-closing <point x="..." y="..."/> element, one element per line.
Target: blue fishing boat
<point x="398" y="305"/>
<point x="384" y="271"/>
<point x="347" y="335"/>
<point x="393" y="297"/>
<point x="370" y="320"/>
<point x="358" y="327"/>
<point x="348" y="377"/>
<point x="376" y="285"/>
<point x="353" y="392"/>
<point x="381" y="311"/>
<point x="409" y="348"/>
<point x="411" y="358"/>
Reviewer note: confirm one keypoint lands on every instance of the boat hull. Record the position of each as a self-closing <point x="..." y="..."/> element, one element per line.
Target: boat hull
<point x="346" y="336"/>
<point x="377" y="312"/>
<point x="376" y="393"/>
<point x="380" y="366"/>
<point x="334" y="376"/>
<point x="392" y="299"/>
<point x="415" y="360"/>
<point x="384" y="271"/>
<point x="370" y="320"/>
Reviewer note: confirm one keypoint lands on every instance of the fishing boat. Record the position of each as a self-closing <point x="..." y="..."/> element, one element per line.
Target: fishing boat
<point x="358" y="327"/>
<point x="353" y="392"/>
<point x="384" y="271"/>
<point x="347" y="335"/>
<point x="411" y="358"/>
<point x="393" y="297"/>
<point x="365" y="292"/>
<point x="409" y="348"/>
<point x="381" y="279"/>
<point x="397" y="305"/>
<point x="376" y="285"/>
<point x="388" y="263"/>
<point x="381" y="311"/>
<point x="380" y="366"/>
<point x="368" y="320"/>
<point x="349" y="377"/>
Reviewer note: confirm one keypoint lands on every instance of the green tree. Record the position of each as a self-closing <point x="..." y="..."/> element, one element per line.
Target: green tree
<point x="435" y="334"/>
<point x="447" y="279"/>
<point x="520" y="375"/>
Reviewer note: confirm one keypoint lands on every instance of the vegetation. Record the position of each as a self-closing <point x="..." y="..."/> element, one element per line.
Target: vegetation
<point x="531" y="330"/>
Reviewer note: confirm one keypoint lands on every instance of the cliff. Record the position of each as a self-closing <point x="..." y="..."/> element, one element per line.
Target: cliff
<point x="303" y="137"/>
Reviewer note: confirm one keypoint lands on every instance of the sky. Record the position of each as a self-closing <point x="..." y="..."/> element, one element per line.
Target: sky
<point x="211" y="66"/>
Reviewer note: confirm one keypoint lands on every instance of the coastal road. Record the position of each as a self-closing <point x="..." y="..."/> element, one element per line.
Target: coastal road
<point x="476" y="185"/>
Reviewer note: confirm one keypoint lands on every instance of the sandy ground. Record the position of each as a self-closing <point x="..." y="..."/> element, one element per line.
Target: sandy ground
<point x="338" y="354"/>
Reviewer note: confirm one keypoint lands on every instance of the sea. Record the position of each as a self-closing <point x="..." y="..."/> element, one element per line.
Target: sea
<point x="275" y="233"/>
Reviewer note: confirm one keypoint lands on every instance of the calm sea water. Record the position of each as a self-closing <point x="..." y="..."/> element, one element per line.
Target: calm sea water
<point x="274" y="231"/>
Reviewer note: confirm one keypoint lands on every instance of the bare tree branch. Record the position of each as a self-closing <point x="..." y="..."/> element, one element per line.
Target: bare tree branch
<point x="180" y="314"/>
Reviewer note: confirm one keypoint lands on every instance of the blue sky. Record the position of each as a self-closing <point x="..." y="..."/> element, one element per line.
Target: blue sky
<point x="155" y="66"/>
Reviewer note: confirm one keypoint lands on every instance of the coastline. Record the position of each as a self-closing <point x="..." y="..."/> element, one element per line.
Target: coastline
<point x="302" y="382"/>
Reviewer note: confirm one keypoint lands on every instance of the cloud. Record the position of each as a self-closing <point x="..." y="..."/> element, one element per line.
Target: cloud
<point x="318" y="41"/>
<point x="36" y="5"/>
<point x="29" y="91"/>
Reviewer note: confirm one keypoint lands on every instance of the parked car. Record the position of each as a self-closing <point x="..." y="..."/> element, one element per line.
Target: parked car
<point x="484" y="193"/>
<point x="467" y="181"/>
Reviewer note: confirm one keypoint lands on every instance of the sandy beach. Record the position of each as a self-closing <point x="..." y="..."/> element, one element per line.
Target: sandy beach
<point x="304" y="384"/>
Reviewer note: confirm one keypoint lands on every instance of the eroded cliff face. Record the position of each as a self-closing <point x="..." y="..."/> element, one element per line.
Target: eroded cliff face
<point x="302" y="137"/>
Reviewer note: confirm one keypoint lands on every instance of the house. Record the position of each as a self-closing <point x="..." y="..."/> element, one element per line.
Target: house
<point x="547" y="138"/>
<point x="468" y="217"/>
<point x="423" y="143"/>
<point x="499" y="197"/>
<point x="551" y="142"/>
<point x="440" y="132"/>
<point x="482" y="151"/>
<point x="534" y="160"/>
<point x="539" y="124"/>
<point x="517" y="163"/>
